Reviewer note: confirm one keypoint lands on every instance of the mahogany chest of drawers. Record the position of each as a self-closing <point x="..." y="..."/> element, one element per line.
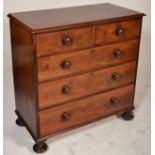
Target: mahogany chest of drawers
<point x="73" y="66"/>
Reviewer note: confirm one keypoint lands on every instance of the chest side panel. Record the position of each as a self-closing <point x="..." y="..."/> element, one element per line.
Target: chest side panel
<point x="24" y="75"/>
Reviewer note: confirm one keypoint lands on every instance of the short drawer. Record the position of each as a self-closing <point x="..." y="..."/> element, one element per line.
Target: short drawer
<point x="76" y="62"/>
<point x="85" y="110"/>
<point x="60" y="42"/>
<point x="118" y="31"/>
<point x="59" y="91"/>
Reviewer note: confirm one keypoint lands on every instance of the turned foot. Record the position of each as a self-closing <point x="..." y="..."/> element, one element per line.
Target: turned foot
<point x="40" y="147"/>
<point x="127" y="115"/>
<point x="19" y="122"/>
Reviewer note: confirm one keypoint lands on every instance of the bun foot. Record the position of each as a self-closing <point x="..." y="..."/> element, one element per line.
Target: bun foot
<point x="40" y="147"/>
<point x="19" y="122"/>
<point x="127" y="115"/>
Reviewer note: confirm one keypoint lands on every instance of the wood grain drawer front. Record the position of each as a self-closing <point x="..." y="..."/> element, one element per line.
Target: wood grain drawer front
<point x="85" y="110"/>
<point x="68" y="64"/>
<point x="60" y="42"/>
<point x="119" y="31"/>
<point x="60" y="91"/>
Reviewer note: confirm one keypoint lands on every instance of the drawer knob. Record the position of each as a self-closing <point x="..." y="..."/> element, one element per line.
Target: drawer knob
<point x="66" y="90"/>
<point x="115" y="76"/>
<point x="117" y="53"/>
<point x="65" y="116"/>
<point x="65" y="64"/>
<point x="119" y="32"/>
<point x="114" y="101"/>
<point x="67" y="40"/>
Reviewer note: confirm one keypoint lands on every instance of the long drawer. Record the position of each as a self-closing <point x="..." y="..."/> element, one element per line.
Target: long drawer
<point x="59" y="91"/>
<point x="68" y="64"/>
<point x="85" y="110"/>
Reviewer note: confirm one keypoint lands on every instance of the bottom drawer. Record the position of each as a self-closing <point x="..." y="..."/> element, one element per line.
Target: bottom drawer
<point x="85" y="110"/>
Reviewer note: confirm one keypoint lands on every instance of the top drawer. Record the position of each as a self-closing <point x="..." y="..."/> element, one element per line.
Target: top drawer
<point x="118" y="31"/>
<point x="59" y="42"/>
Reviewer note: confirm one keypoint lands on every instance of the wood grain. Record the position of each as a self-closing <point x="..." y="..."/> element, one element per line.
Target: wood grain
<point x="84" y="110"/>
<point x="86" y="60"/>
<point x="24" y="75"/>
<point x="45" y="20"/>
<point x="106" y="33"/>
<point x="51" y="43"/>
<point x="50" y="93"/>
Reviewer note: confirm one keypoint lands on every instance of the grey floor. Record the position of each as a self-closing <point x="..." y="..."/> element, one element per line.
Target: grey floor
<point x="111" y="136"/>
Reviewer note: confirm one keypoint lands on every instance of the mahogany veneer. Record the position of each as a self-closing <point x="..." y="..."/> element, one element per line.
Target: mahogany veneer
<point x="73" y="66"/>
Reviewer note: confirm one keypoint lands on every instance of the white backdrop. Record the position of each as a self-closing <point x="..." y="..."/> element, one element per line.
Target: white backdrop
<point x="134" y="142"/>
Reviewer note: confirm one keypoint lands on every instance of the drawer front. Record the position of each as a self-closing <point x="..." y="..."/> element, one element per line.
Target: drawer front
<point x="85" y="110"/>
<point x="60" y="42"/>
<point x="60" y="91"/>
<point x="68" y="64"/>
<point x="119" y="31"/>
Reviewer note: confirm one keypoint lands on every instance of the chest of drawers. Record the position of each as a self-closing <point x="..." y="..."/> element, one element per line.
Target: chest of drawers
<point x="73" y="66"/>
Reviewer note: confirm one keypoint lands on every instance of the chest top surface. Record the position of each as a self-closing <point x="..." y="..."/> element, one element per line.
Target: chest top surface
<point x="55" y="18"/>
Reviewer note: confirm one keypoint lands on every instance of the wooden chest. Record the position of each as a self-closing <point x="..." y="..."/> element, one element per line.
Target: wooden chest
<point x="73" y="66"/>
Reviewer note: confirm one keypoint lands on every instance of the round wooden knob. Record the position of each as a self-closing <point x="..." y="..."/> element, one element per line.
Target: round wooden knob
<point x="65" y="116"/>
<point x="66" y="90"/>
<point x="114" y="101"/>
<point x="117" y="53"/>
<point x="65" y="64"/>
<point x="67" y="41"/>
<point x="115" y="76"/>
<point x="119" y="32"/>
